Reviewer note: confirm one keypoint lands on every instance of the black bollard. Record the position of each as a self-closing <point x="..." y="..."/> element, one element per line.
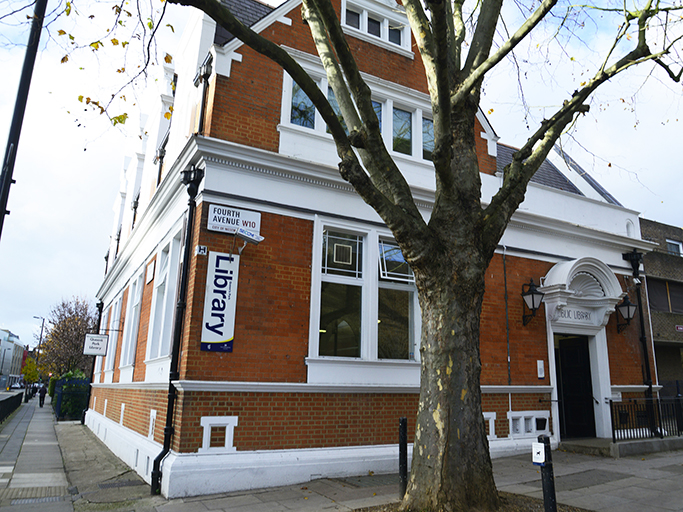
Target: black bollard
<point x="547" y="477"/>
<point x="678" y="409"/>
<point x="402" y="456"/>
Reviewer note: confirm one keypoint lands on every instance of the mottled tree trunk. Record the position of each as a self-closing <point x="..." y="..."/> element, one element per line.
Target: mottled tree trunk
<point x="451" y="466"/>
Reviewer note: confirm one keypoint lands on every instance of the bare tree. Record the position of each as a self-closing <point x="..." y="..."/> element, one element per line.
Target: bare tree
<point x="459" y="44"/>
<point x="451" y="467"/>
<point x="62" y="349"/>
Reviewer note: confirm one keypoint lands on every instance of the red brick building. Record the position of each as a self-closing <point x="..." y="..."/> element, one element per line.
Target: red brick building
<point x="297" y="355"/>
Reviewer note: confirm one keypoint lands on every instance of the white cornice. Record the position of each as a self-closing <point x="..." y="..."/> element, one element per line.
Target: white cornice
<point x="548" y="226"/>
<point x="317" y="175"/>
<point x="515" y="389"/>
<point x="286" y="387"/>
<point x="633" y="388"/>
<point x="169" y="191"/>
<point x="141" y="386"/>
<point x="294" y="387"/>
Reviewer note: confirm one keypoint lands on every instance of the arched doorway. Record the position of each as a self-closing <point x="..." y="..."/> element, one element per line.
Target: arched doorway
<point x="580" y="296"/>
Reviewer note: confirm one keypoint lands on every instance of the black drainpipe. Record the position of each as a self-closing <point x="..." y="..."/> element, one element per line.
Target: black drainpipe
<point x="100" y="306"/>
<point x="191" y="178"/>
<point x="202" y="77"/>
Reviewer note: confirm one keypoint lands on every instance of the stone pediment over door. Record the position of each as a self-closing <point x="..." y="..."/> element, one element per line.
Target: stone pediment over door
<point x="580" y="295"/>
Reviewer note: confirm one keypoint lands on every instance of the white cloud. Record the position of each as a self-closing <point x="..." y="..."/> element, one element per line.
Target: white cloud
<point x="54" y="241"/>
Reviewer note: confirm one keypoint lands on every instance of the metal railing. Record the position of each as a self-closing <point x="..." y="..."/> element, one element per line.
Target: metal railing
<point x="641" y="418"/>
<point x="9" y="405"/>
<point x="71" y="395"/>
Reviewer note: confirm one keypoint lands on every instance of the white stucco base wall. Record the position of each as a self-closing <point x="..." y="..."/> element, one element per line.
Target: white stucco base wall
<point x="196" y="474"/>
<point x="506" y="447"/>
<point x="135" y="450"/>
<point x="199" y="474"/>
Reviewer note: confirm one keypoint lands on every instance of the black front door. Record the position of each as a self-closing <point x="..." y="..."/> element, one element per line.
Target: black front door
<point x="577" y="418"/>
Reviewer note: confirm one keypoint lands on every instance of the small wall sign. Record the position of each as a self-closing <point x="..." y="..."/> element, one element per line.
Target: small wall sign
<point x="95" y="344"/>
<point x="679" y="328"/>
<point x="228" y="220"/>
<point x="540" y="368"/>
<point x="575" y="315"/>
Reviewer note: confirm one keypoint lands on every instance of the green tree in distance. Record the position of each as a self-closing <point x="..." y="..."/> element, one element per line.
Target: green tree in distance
<point x="30" y="371"/>
<point x="62" y="349"/>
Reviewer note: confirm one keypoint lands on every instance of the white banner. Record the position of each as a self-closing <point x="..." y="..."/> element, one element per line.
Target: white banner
<point x="95" y="344"/>
<point x="220" y="301"/>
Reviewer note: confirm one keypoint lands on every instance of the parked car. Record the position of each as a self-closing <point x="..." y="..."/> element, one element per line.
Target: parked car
<point x="17" y="385"/>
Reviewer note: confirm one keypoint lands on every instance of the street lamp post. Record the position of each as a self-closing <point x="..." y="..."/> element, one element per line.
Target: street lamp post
<point x="40" y="340"/>
<point x="635" y="258"/>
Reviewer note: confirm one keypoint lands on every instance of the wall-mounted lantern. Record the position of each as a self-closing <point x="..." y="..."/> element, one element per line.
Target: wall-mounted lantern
<point x="532" y="300"/>
<point x="627" y="311"/>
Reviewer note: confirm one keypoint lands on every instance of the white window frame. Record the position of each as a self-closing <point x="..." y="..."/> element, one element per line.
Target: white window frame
<point x="162" y="307"/>
<point x="319" y="126"/>
<point x="132" y="326"/>
<point x="382" y="93"/>
<point x="104" y="326"/>
<point x="368" y="368"/>
<point x="388" y="18"/>
<point x="114" y="323"/>
<point x="678" y="244"/>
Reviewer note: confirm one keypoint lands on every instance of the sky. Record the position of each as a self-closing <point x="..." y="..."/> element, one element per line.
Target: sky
<point x="70" y="159"/>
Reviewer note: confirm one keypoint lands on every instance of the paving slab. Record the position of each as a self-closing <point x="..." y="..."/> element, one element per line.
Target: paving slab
<point x="88" y="477"/>
<point x="33" y="477"/>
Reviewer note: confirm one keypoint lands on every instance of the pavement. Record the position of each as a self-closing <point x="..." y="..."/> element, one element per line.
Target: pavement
<point x="62" y="467"/>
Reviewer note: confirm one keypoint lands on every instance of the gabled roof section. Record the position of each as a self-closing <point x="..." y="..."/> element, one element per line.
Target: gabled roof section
<point x="547" y="174"/>
<point x="571" y="164"/>
<point x="247" y="11"/>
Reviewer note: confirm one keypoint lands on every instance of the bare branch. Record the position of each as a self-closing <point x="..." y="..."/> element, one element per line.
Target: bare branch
<point x="477" y="74"/>
<point x="489" y="12"/>
<point x="383" y="170"/>
<point x="260" y="44"/>
<point x="676" y="77"/>
<point x="527" y="160"/>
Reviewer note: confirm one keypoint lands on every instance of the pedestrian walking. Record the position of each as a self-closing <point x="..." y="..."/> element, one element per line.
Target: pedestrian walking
<point x="42" y="393"/>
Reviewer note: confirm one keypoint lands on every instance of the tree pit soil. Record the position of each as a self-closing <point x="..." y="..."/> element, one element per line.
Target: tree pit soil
<point x="508" y="503"/>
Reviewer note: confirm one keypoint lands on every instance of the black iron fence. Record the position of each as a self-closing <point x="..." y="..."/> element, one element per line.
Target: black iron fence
<point x="642" y="418"/>
<point x="9" y="405"/>
<point x="71" y="396"/>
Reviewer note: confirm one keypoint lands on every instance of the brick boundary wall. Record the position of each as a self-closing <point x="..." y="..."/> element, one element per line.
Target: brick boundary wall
<point x="279" y="421"/>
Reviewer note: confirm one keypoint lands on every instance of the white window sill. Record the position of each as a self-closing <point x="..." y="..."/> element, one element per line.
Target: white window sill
<point x="157" y="370"/>
<point x="378" y="41"/>
<point x="108" y="376"/>
<point x="341" y="370"/>
<point x="318" y="154"/>
<point x="126" y="373"/>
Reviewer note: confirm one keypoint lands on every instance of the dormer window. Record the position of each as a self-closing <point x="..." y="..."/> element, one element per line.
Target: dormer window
<point x="374" y="27"/>
<point x="387" y="27"/>
<point x="395" y="34"/>
<point x="674" y="248"/>
<point x="353" y="19"/>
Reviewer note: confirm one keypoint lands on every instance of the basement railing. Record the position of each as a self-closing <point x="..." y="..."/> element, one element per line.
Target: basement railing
<point x="641" y="418"/>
